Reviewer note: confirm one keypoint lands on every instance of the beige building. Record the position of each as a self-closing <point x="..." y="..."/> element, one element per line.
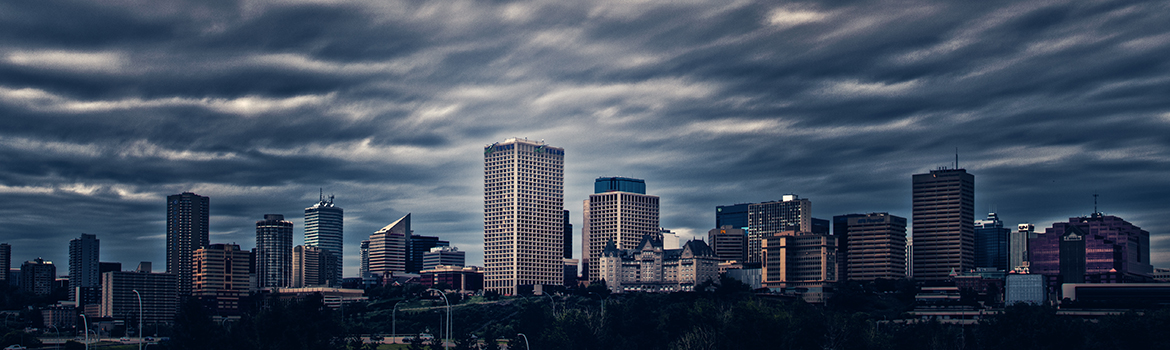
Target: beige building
<point x="799" y="259"/>
<point x="650" y="268"/>
<point x="312" y="267"/>
<point x="221" y="274"/>
<point x="871" y="246"/>
<point x="523" y="216"/>
<point x="616" y="213"/>
<point x="387" y="252"/>
<point x="160" y="296"/>
<point x="768" y="219"/>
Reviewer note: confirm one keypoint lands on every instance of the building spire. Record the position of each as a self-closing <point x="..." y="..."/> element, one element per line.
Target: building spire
<point x="1095" y="212"/>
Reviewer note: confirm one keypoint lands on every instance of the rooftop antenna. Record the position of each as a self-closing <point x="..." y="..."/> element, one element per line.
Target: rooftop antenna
<point x="956" y="158"/>
<point x="1095" y="204"/>
<point x="322" y="195"/>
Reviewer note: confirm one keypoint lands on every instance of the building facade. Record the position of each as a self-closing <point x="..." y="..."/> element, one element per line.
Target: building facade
<point x="728" y="243"/>
<point x="991" y="243"/>
<point x="735" y="215"/>
<point x="443" y="256"/>
<point x="5" y="263"/>
<point x="1091" y="249"/>
<point x="650" y="268"/>
<point x="274" y="251"/>
<point x="83" y="268"/>
<point x="618" y="215"/>
<point x="160" y="297"/>
<point x="37" y="276"/>
<point x="388" y="251"/>
<point x="523" y="215"/>
<point x="870" y="246"/>
<point x="187" y="225"/>
<point x="324" y="226"/>
<point x="767" y="219"/>
<point x="943" y="214"/>
<point x="463" y="279"/>
<point x="221" y="277"/>
<point x="313" y="267"/>
<point x="418" y="247"/>
<point x="796" y="259"/>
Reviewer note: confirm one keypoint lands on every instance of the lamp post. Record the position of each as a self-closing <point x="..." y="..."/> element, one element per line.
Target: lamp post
<point x="444" y="295"/>
<point x="139" y="318"/>
<point x="526" y="347"/>
<point x="394" y="321"/>
<point x="86" y="324"/>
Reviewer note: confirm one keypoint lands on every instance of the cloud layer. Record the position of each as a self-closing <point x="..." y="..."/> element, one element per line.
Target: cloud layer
<point x="107" y="108"/>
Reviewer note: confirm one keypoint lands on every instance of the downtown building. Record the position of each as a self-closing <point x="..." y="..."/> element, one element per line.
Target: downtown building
<point x="84" y="278"/>
<point x="222" y="277"/>
<point x="187" y="231"/>
<point x="443" y="256"/>
<point x="728" y="243"/>
<point x="620" y="211"/>
<point x="37" y="276"/>
<point x="523" y="216"/>
<point x="312" y="267"/>
<point x="794" y="259"/>
<point x="5" y="264"/>
<point x="323" y="229"/>
<point x="1018" y="247"/>
<point x="768" y="219"/>
<point x="943" y="215"/>
<point x="870" y="246"/>
<point x="387" y="248"/>
<point x="991" y="243"/>
<point x="160" y="296"/>
<point x="1091" y="249"/>
<point x="273" y="251"/>
<point x="649" y="267"/>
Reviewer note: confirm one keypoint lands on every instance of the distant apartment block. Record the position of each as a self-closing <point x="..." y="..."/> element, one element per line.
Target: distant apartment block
<point x="187" y="230"/>
<point x="83" y="268"/>
<point x="160" y="297"/>
<point x="37" y="276"/>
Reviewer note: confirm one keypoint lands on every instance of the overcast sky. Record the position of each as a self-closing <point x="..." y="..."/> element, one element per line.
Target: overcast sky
<point x="107" y="107"/>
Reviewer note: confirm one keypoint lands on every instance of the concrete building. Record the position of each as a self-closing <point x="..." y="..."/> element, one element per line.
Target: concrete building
<point x="324" y="226"/>
<point x="463" y="279"/>
<point x="313" y="267"/>
<point x="364" y="265"/>
<point x="274" y="251"/>
<point x="991" y="243"/>
<point x="83" y="269"/>
<point x="37" y="276"/>
<point x="870" y="246"/>
<point x="160" y="297"/>
<point x="767" y="219"/>
<point x="221" y="277"/>
<point x="443" y="256"/>
<point x="388" y="248"/>
<point x="1091" y="249"/>
<point x="523" y="215"/>
<point x="417" y="247"/>
<point x="1024" y="288"/>
<point x="187" y="225"/>
<point x="728" y="243"/>
<point x="618" y="215"/>
<point x="650" y="268"/>
<point x="1018" y="245"/>
<point x="943" y="223"/>
<point x="795" y="259"/>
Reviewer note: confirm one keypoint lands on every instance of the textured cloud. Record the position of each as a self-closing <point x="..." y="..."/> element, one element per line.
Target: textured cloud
<point x="107" y="108"/>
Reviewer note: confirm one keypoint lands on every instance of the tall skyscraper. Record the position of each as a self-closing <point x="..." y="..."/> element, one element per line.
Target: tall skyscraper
<point x="388" y="251"/>
<point x="364" y="265"/>
<point x="323" y="229"/>
<point x="524" y="205"/>
<point x="274" y="251"/>
<point x="616" y="214"/>
<point x="870" y="246"/>
<point x="943" y="217"/>
<point x="1018" y="245"/>
<point x="5" y="263"/>
<point x="37" y="276"/>
<point x="991" y="243"/>
<point x="768" y="219"/>
<point x="187" y="224"/>
<point x="83" y="268"/>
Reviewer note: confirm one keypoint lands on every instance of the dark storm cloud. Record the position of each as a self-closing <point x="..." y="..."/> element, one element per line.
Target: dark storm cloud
<point x="107" y="108"/>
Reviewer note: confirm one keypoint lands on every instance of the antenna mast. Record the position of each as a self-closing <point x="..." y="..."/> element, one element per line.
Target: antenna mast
<point x="1095" y="204"/>
<point x="956" y="158"/>
<point x="321" y="197"/>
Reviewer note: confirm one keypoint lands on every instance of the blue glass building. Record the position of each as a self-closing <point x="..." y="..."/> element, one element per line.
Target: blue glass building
<point x="991" y="243"/>
<point x="619" y="184"/>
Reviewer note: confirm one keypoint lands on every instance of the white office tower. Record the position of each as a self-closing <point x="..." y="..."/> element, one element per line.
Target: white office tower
<point x="523" y="216"/>
<point x="618" y="210"/>
<point x="323" y="229"/>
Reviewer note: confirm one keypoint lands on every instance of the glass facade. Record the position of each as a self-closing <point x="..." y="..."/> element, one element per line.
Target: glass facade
<point x="619" y="184"/>
<point x="991" y="243"/>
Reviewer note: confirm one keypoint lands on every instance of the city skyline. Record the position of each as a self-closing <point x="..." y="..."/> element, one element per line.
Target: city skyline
<point x="111" y="108"/>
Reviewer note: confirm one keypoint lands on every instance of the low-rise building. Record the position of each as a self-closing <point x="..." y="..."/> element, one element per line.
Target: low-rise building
<point x="464" y="279"/>
<point x="159" y="291"/>
<point x="650" y="268"/>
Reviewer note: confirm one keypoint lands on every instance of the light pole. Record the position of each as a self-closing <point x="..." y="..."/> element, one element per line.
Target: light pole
<point x="139" y="318"/>
<point x="86" y="324"/>
<point x="444" y="295"/>
<point x="602" y="299"/>
<point x="394" y="322"/>
<point x="526" y="347"/>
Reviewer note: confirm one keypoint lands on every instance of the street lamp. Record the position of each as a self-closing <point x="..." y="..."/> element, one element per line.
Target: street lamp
<point x="86" y="324"/>
<point x="394" y="321"/>
<point x="526" y="347"/>
<point x="139" y="318"/>
<point x="444" y="295"/>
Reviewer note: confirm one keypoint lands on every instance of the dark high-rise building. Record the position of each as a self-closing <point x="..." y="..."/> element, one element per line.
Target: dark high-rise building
<point x="768" y="219"/>
<point x="187" y="225"/>
<point x="274" y="251"/>
<point x="5" y="263"/>
<point x="871" y="246"/>
<point x="735" y="216"/>
<point x="819" y="226"/>
<point x="323" y="228"/>
<point x="1091" y="249"/>
<point x="37" y="276"/>
<point x="728" y="242"/>
<point x="619" y="184"/>
<point x="84" y="268"/>
<point x="991" y="243"/>
<point x="418" y="248"/>
<point x="568" y="237"/>
<point x="943" y="223"/>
